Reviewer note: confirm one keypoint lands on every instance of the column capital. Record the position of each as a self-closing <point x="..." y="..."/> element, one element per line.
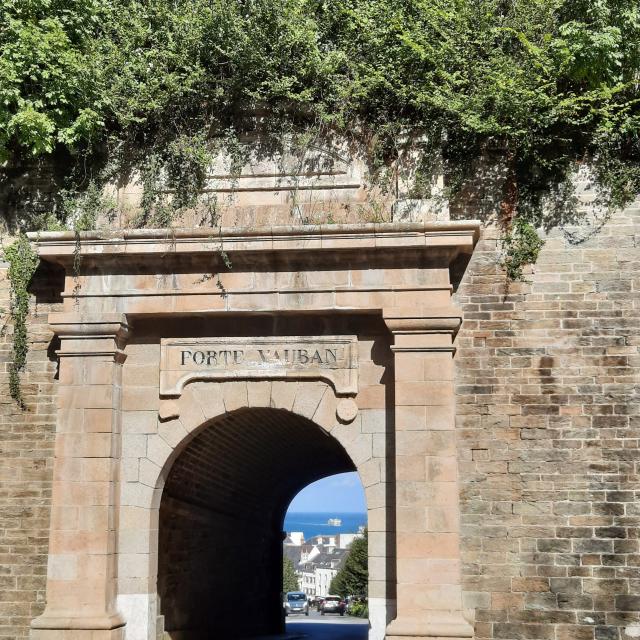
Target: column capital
<point x="423" y="329"/>
<point x="84" y="334"/>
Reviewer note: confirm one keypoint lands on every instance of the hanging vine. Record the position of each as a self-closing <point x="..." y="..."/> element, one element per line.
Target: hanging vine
<point x="544" y="85"/>
<point x="521" y="247"/>
<point x="23" y="262"/>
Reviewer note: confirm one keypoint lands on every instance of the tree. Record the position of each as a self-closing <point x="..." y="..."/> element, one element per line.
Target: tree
<point x="352" y="578"/>
<point x="289" y="578"/>
<point x="49" y="89"/>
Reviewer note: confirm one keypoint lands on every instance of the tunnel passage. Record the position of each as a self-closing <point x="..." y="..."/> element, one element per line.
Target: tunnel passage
<point x="221" y="515"/>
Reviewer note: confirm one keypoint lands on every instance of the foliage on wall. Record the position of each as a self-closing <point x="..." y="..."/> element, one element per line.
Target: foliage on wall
<point x="115" y="82"/>
<point x="22" y="265"/>
<point x="152" y="88"/>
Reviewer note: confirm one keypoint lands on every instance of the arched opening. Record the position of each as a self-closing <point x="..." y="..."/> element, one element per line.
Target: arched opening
<point x="221" y="515"/>
<point x="326" y="559"/>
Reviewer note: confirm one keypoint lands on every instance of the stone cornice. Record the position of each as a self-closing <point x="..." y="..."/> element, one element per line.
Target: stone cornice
<point x="453" y="237"/>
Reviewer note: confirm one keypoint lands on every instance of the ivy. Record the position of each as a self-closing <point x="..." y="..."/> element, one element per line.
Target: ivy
<point x="521" y="245"/>
<point x="133" y="87"/>
<point x="152" y="90"/>
<point x="23" y="262"/>
<point x="84" y="209"/>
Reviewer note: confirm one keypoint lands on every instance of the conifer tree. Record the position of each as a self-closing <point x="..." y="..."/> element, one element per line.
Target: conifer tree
<point x="289" y="578"/>
<point x="352" y="579"/>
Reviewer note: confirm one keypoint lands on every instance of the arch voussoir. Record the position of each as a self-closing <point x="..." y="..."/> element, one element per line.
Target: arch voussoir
<point x="234" y="395"/>
<point x="259" y="393"/>
<point x="325" y="413"/>
<point x="172" y="432"/>
<point x="149" y="472"/>
<point x="370" y="472"/>
<point x="283" y="394"/>
<point x="190" y="411"/>
<point x="308" y="397"/>
<point x="209" y="396"/>
<point x="358" y="445"/>
<point x="158" y="450"/>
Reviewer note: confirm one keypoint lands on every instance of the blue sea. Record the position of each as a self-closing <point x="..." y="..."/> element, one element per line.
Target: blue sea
<point x="315" y="524"/>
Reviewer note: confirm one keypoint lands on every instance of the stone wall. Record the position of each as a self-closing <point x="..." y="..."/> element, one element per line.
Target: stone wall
<point x="548" y="432"/>
<point x="31" y="190"/>
<point x="26" y="451"/>
<point x="548" y="428"/>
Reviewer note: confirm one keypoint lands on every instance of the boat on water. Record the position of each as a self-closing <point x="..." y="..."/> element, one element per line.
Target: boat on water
<point x="334" y="522"/>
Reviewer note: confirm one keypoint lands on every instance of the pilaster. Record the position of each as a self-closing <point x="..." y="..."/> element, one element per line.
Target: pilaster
<point x="81" y="574"/>
<point x="429" y="594"/>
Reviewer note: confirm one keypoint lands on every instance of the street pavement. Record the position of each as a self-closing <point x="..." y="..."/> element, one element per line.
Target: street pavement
<point x="327" y="627"/>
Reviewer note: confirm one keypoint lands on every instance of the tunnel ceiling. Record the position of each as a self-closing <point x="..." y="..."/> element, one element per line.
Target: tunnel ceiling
<point x="254" y="461"/>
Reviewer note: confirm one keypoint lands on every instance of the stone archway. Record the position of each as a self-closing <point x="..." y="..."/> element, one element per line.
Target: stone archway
<point x="131" y="397"/>
<point x="319" y="442"/>
<point x="220" y="522"/>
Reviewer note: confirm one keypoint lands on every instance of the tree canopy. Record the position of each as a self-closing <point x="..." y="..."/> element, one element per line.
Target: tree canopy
<point x="289" y="578"/>
<point x="548" y="83"/>
<point x="111" y="88"/>
<point x="352" y="578"/>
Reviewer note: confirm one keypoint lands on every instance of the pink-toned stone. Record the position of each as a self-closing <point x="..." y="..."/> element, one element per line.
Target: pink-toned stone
<point x="97" y="401"/>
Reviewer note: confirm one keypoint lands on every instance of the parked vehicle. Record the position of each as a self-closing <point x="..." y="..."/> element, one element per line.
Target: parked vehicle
<point x="296" y="602"/>
<point x="332" y="604"/>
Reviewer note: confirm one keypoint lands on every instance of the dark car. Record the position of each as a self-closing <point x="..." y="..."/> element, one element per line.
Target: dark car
<point x="296" y="602"/>
<point x="332" y="604"/>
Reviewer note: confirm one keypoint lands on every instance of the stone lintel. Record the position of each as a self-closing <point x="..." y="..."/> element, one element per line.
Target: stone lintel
<point x="333" y="359"/>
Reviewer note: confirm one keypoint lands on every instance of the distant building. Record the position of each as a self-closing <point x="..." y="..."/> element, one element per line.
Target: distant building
<point x="337" y="540"/>
<point x="326" y="566"/>
<point x="309" y="551"/>
<point x="296" y="537"/>
<point x="292" y="552"/>
<point x="318" y="559"/>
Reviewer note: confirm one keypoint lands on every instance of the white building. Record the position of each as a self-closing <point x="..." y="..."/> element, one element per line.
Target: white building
<point x="319" y="559"/>
<point x="324" y="576"/>
<point x="295" y="538"/>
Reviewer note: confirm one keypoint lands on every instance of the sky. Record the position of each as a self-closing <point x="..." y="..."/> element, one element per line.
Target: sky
<point x="340" y="493"/>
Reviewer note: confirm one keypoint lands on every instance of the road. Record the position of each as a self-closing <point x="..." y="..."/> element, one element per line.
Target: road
<point x="317" y="627"/>
<point x="329" y="627"/>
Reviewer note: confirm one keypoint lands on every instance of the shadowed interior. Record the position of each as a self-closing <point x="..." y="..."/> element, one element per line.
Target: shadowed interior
<point x="221" y="515"/>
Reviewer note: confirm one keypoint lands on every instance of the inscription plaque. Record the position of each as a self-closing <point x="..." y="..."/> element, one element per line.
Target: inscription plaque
<point x="332" y="358"/>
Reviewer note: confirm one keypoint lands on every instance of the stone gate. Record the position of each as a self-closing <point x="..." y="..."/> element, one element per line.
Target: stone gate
<point x="195" y="400"/>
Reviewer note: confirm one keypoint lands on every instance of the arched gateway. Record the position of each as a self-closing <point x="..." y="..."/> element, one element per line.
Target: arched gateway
<point x="195" y="400"/>
<point x="224" y="501"/>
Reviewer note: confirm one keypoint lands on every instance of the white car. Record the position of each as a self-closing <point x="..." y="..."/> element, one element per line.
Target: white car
<point x="332" y="604"/>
